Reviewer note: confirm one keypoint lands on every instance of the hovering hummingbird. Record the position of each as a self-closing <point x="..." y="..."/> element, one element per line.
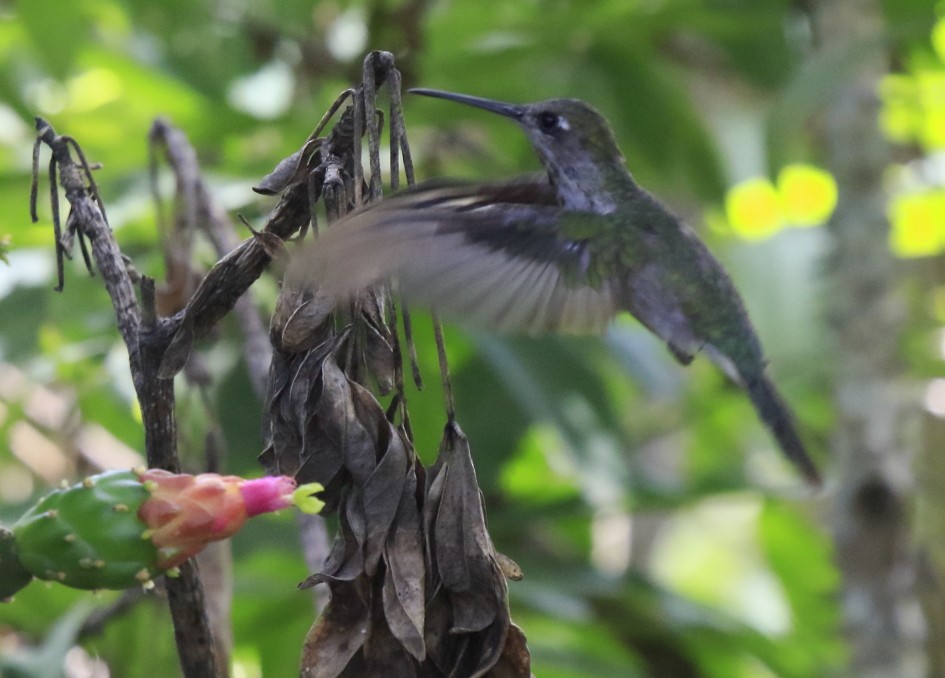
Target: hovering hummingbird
<point x="560" y="254"/>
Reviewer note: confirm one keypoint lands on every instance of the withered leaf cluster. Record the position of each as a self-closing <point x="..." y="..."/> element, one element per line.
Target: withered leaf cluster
<point x="417" y="588"/>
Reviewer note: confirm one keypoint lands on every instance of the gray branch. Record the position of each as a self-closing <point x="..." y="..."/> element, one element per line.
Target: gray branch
<point x="146" y="338"/>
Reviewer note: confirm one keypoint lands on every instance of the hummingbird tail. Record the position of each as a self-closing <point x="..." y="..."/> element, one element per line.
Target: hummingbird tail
<point x="776" y="415"/>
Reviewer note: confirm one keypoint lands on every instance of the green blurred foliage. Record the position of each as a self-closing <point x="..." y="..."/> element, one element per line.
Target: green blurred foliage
<point x="596" y="457"/>
<point x="913" y="114"/>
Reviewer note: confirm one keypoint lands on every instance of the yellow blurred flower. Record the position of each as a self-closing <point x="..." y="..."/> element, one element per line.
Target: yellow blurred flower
<point x="914" y="106"/>
<point x="900" y="121"/>
<point x="900" y="117"/>
<point x="754" y="209"/>
<point x="931" y="94"/>
<point x="918" y="224"/>
<point x="808" y="194"/>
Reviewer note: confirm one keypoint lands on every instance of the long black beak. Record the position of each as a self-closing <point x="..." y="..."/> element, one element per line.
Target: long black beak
<point x="508" y="110"/>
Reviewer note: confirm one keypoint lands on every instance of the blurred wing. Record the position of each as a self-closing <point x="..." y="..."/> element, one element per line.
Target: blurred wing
<point x="486" y="256"/>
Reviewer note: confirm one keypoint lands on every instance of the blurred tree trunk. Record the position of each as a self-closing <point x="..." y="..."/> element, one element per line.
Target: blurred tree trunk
<point x="930" y="526"/>
<point x="871" y="517"/>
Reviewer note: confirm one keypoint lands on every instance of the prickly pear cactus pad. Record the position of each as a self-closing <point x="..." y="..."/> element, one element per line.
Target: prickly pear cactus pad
<point x="122" y="528"/>
<point x="88" y="536"/>
<point x="13" y="576"/>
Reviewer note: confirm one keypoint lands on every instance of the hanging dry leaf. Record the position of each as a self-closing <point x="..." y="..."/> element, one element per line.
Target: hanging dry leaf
<point x="337" y="635"/>
<point x="289" y="170"/>
<point x="404" y="594"/>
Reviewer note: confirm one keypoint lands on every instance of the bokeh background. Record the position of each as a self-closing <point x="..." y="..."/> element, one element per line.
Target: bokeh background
<point x="659" y="531"/>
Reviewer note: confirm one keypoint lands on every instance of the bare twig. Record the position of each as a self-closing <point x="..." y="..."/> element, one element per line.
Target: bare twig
<point x="146" y="338"/>
<point x="382" y="61"/>
<point x="196" y="209"/>
<point x="398" y="145"/>
<point x="87" y="216"/>
<point x="208" y="215"/>
<point x="228" y="280"/>
<point x="444" y="370"/>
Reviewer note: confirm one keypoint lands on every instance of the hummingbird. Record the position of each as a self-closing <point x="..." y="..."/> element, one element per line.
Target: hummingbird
<point x="561" y="253"/>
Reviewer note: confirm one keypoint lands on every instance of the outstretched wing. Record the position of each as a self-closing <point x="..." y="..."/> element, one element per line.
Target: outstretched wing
<point x="491" y="256"/>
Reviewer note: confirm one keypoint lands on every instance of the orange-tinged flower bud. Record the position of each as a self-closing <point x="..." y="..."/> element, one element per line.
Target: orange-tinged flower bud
<point x="184" y="513"/>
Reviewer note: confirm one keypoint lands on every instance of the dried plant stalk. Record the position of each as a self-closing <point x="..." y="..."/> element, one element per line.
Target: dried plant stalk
<point x="416" y="586"/>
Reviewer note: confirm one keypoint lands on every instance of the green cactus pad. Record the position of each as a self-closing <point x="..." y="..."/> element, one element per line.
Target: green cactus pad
<point x="13" y="576"/>
<point x="88" y="536"/>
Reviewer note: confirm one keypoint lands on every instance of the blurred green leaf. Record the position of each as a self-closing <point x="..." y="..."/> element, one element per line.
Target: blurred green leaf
<point x="58" y="32"/>
<point x="802" y="557"/>
<point x="540" y="471"/>
<point x="270" y="615"/>
<point x="48" y="660"/>
<point x="140" y="642"/>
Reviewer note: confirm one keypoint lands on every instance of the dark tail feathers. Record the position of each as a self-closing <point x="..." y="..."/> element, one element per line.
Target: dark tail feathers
<point x="776" y="415"/>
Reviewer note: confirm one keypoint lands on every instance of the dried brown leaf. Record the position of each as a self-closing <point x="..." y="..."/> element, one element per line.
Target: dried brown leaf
<point x="306" y="324"/>
<point x="484" y="649"/>
<point x="464" y="553"/>
<point x="372" y="307"/>
<point x="345" y="561"/>
<point x="467" y="655"/>
<point x="515" y="661"/>
<point x="290" y="170"/>
<point x="467" y="618"/>
<point x="283" y="454"/>
<point x="383" y="653"/>
<point x="354" y="512"/>
<point x="404" y="594"/>
<point x="338" y="421"/>
<point x="436" y="633"/>
<point x="337" y="635"/>
<point x="381" y="497"/>
<point x="293" y="383"/>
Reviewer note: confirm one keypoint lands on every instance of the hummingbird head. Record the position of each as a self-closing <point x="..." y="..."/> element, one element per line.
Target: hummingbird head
<point x="573" y="141"/>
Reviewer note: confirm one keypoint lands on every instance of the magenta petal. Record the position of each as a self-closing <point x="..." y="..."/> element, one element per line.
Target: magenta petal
<point x="264" y="495"/>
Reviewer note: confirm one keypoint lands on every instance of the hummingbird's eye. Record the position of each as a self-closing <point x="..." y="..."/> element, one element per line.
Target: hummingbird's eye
<point x="548" y="121"/>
